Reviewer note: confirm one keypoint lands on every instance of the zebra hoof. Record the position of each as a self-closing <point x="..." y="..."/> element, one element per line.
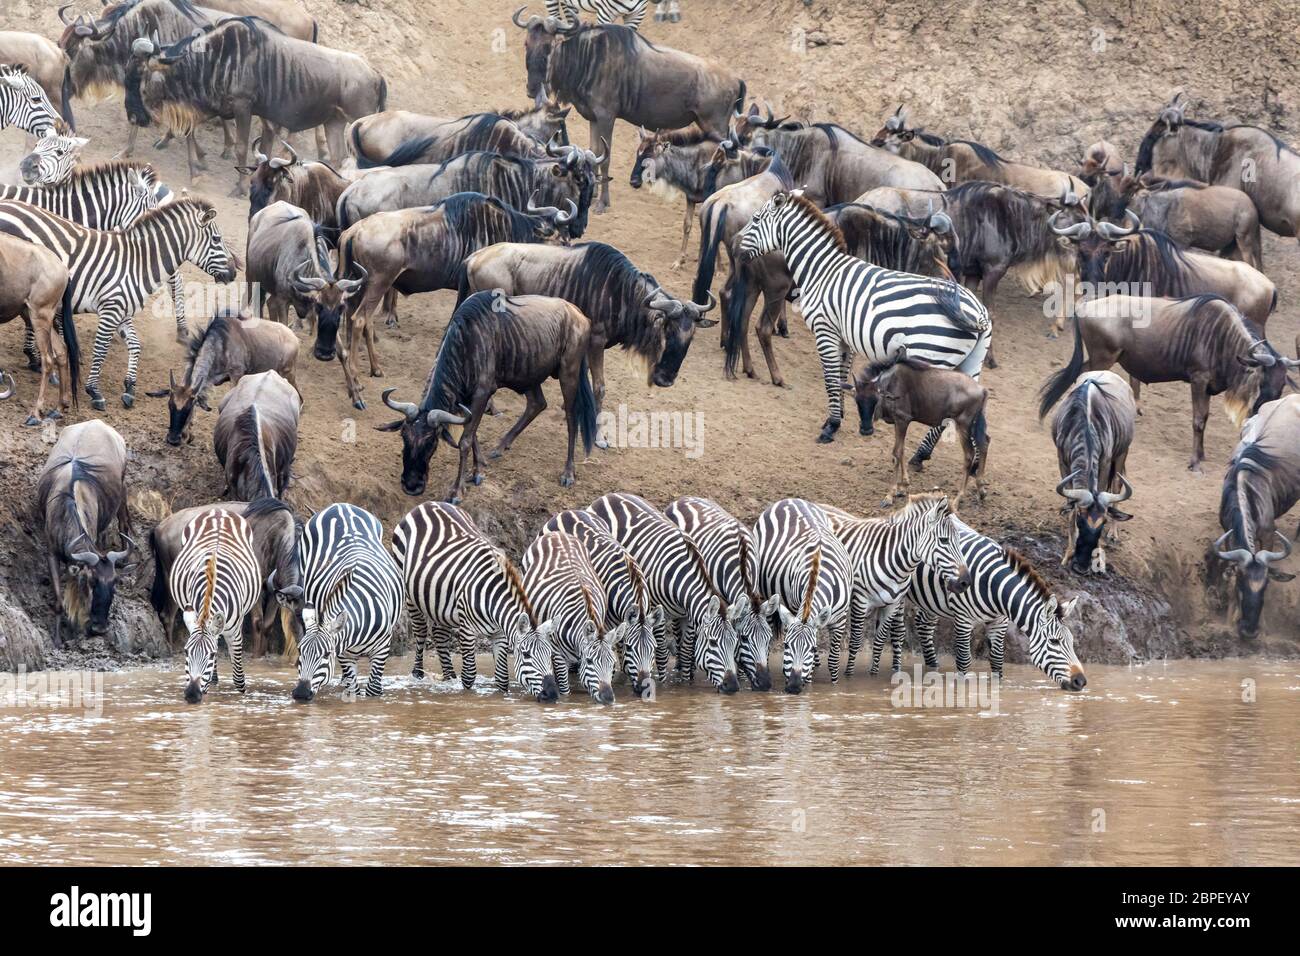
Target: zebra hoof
<point x="417" y="674"/>
<point x="128" y="400"/>
<point x="98" y="403"/>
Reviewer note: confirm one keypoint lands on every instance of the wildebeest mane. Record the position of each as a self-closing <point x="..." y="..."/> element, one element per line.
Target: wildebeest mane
<point x="1152" y="256"/>
<point x="578" y="61"/>
<point x="604" y="283"/>
<point x="244" y="452"/>
<point x="450" y="383"/>
<point x="281" y="553"/>
<point x="891" y="246"/>
<point x="106" y="492"/>
<point x="1076" y="423"/>
<point x="1243" y="502"/>
<point x="466" y="211"/>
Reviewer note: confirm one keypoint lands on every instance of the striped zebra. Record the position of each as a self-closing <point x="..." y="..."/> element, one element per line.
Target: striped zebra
<point x="352" y="594"/>
<point x="853" y="306"/>
<point x="24" y="103"/>
<point x="1004" y="589"/>
<point x="52" y="159"/>
<point x="105" y="196"/>
<point x="458" y="583"/>
<point x="631" y="12"/>
<point x="561" y="582"/>
<point x="886" y="552"/>
<point x="679" y="582"/>
<point x="627" y="599"/>
<point x="802" y="561"/>
<point x="215" y="581"/>
<point x="727" y="547"/>
<point x="114" y="273"/>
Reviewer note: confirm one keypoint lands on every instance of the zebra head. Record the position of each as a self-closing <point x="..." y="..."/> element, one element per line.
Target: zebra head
<point x="752" y="620"/>
<point x="799" y="645"/>
<point x="201" y="652"/>
<point x="52" y="160"/>
<point x="209" y="250"/>
<point x="938" y="546"/>
<point x="638" y="643"/>
<point x="715" y="648"/>
<point x="763" y="234"/>
<point x="317" y="650"/>
<point x="597" y="655"/>
<point x="23" y="103"/>
<point x="1051" y="645"/>
<point x="533" y="658"/>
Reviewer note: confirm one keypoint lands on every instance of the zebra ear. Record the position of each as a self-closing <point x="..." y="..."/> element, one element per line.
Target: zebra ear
<point x="545" y="630"/>
<point x="1068" y="607"/>
<point x="589" y="631"/>
<point x="770" y="605"/>
<point x="1051" y="604"/>
<point x="340" y="620"/>
<point x="822" y="617"/>
<point x="787" y="618"/>
<point x="656" y="616"/>
<point x="309" y="617"/>
<point x="191" y="621"/>
<point x="522" y="623"/>
<point x="715" y="605"/>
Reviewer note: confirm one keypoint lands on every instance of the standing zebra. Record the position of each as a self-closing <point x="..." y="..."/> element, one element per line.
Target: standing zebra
<point x="353" y="598"/>
<point x="114" y="273"/>
<point x="632" y="12"/>
<point x="1004" y="588"/>
<point x="679" y="582"/>
<point x="215" y="581"/>
<point x="52" y="159"/>
<point x="886" y="552"/>
<point x="24" y="103"/>
<point x="729" y="554"/>
<point x="459" y="583"/>
<point x="563" y="584"/>
<point x="853" y="306"/>
<point x="627" y="599"/>
<point x="801" y="560"/>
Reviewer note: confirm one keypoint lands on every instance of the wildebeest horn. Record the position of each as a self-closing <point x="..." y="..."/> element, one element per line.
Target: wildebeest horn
<point x="412" y="412"/>
<point x="300" y="278"/>
<point x="1080" y="230"/>
<point x="940" y="223"/>
<point x="257" y="151"/>
<point x="1112" y="231"/>
<point x="1106" y="498"/>
<point x="88" y="558"/>
<point x="593" y="158"/>
<point x="142" y="47"/>
<point x="707" y="307"/>
<point x="1082" y="495"/>
<point x="63" y="13"/>
<point x="439" y="416"/>
<point x="12" y="385"/>
<point x="556" y="150"/>
<point x="293" y="153"/>
<point x="1236" y="555"/>
<point x="116" y="556"/>
<point x="1267" y="557"/>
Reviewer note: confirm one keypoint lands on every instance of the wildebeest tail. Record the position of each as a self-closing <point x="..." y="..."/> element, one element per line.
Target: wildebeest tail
<point x="586" y="407"/>
<point x="158" y="590"/>
<point x="65" y="99"/>
<point x="70" y="343"/>
<point x="979" y="434"/>
<point x="710" y="236"/>
<point x="383" y="94"/>
<point x="735" y="317"/>
<point x="315" y="31"/>
<point x="462" y="287"/>
<point x="1060" y="381"/>
<point x="739" y="105"/>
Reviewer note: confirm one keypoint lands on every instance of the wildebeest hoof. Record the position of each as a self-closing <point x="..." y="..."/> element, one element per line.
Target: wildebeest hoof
<point x="496" y="453"/>
<point x="391" y="322"/>
<point x="477" y="479"/>
<point x="866" y="429"/>
<point x="359" y="405"/>
<point x="566" y="481"/>
<point x="376" y="373"/>
<point x="228" y="153"/>
<point x="161" y="143"/>
<point x="602" y="442"/>
<point x="32" y="421"/>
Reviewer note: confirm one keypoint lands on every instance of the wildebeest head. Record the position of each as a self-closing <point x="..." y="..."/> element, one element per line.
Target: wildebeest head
<point x="1253" y="572"/>
<point x="181" y="400"/>
<point x="894" y="133"/>
<point x="94" y="66"/>
<point x="97" y="574"/>
<point x="52" y="159"/>
<point x="1090" y="508"/>
<point x="1093" y="242"/>
<point x="543" y="34"/>
<point x="550" y="222"/>
<point x="1267" y="376"/>
<point x="421" y="431"/>
<point x="269" y="179"/>
<point x="327" y="296"/>
<point x="744" y="125"/>
<point x="577" y="168"/>
<point x="1168" y="122"/>
<point x="679" y="320"/>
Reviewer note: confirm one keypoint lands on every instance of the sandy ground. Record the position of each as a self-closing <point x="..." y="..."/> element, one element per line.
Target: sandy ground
<point x="758" y="441"/>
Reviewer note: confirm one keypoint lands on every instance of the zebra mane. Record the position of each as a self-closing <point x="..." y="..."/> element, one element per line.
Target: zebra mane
<point x="745" y="582"/>
<point x="112" y="168"/>
<point x="697" y="559"/>
<point x="1022" y="566"/>
<point x="516" y="585"/>
<point x="926" y="500"/>
<point x="638" y="581"/>
<point x="806" y="611"/>
<point x="590" y="607"/>
<point x="170" y="213"/>
<point x="209" y="587"/>
<point x="828" y="228"/>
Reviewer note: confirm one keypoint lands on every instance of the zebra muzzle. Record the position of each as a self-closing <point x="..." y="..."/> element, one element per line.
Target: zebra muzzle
<point x="302" y="691"/>
<point x="193" y="693"/>
<point x="550" y="689"/>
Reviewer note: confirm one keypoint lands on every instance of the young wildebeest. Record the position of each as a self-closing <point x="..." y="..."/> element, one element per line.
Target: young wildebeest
<point x="374" y="137"/>
<point x="80" y="490"/>
<point x="1262" y="485"/>
<point x="228" y="348"/>
<point x="32" y="283"/>
<point x="489" y="132"/>
<point x="313" y="187"/>
<point x="1093" y="430"/>
<point x="611" y="72"/>
<point x="422" y="250"/>
<point x="904" y="390"/>
<point x="497" y="341"/>
<point x="1203" y="340"/>
<point x="256" y="436"/>
<point x="276" y="541"/>
<point x="1100" y="157"/>
<point x="678" y="161"/>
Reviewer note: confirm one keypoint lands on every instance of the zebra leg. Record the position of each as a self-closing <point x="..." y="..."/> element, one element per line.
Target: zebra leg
<point x="110" y="319"/>
<point x="923" y="453"/>
<point x="419" y="637"/>
<point x="349" y="678"/>
<point x="829" y="350"/>
<point x="996" y="633"/>
<point x="29" y="348"/>
<point x="686" y="650"/>
<point x="128" y="333"/>
<point x="469" y="662"/>
<point x="177" y="286"/>
<point x="925" y="627"/>
<point x="961" y="629"/>
<point x="661" y="652"/>
<point x="561" y="668"/>
<point x="375" y="679"/>
<point x="442" y="644"/>
<point x="501" y="665"/>
<point x="236" y="644"/>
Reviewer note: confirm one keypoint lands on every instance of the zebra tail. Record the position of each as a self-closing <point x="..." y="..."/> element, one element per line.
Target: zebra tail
<point x="735" y="318"/>
<point x="70" y="343"/>
<point x="586" y="407"/>
<point x="979" y="434"/>
<point x="710" y="237"/>
<point x="1059" y="383"/>
<point x="65" y="99"/>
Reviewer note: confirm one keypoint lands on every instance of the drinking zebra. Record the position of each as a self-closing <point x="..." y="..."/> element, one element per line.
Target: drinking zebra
<point x="214" y="580"/>
<point x="352" y="596"/>
<point x="801" y="560"/>
<point x="853" y="306"/>
<point x="114" y="273"/>
<point x="561" y="581"/>
<point x="631" y="12"/>
<point x="679" y="582"/>
<point x="727" y="547"/>
<point x="627" y="599"/>
<point x="24" y="103"/>
<point x="885" y="553"/>
<point x="458" y="582"/>
<point x="1005" y="588"/>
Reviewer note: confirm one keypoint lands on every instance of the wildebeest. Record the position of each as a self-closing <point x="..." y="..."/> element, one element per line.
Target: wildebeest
<point x="45" y="61"/>
<point x="225" y="350"/>
<point x="81" y="489"/>
<point x="831" y="164"/>
<point x="1092" y="431"/>
<point x="256" y="436"/>
<point x="903" y="390"/>
<point x="1100" y="157"/>
<point x="566" y="175"/>
<point x="375" y="137"/>
<point x="1243" y="157"/>
<point x="1214" y="218"/>
<point x="1262" y="485"/>
<point x="625" y="306"/>
<point x="244" y="67"/>
<point x="494" y="341"/>
<point x="611" y="72"/>
<point x="1203" y="340"/>
<point x="679" y="161"/>
<point x="276" y="541"/>
<point x="32" y="283"/>
<point x="961" y="160"/>
<point x="486" y="132"/>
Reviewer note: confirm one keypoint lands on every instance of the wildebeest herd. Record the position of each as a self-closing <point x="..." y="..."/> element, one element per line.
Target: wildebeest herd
<point x="892" y="248"/>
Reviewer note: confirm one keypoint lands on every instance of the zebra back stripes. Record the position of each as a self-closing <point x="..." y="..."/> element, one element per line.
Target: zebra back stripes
<point x="457" y="582"/>
<point x="24" y="103"/>
<point x="631" y="12"/>
<point x="352" y="594"/>
<point x="215" y="580"/>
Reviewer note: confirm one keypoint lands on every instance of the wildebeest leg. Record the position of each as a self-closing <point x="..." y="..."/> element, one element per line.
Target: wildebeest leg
<point x="243" y="125"/>
<point x="766" y="325"/>
<point x="686" y="234"/>
<point x="322" y="147"/>
<point x="596" y="366"/>
<point x="343" y="350"/>
<point x="602" y="132"/>
<point x="989" y="292"/>
<point x="1137" y="392"/>
<point x="747" y="309"/>
<point x="830" y="351"/>
<point x="900" y="446"/>
<point x="536" y="404"/>
<point x="390" y="308"/>
<point x="467" y="439"/>
<point x="372" y="350"/>
<point x="192" y="158"/>
<point x="1200" y="414"/>
<point x="58" y="600"/>
<point x="129" y="149"/>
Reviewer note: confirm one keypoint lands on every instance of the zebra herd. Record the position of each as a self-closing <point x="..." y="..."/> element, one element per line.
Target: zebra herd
<point x="619" y="588"/>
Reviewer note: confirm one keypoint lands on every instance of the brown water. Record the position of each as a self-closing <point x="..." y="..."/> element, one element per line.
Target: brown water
<point x="1156" y="764"/>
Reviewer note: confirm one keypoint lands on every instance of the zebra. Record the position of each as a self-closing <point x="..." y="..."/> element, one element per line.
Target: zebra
<point x="24" y="103"/>
<point x="352" y="596"/>
<point x="727" y="547"/>
<point x="627" y="597"/>
<point x="801" y="560"/>
<point x="560" y="579"/>
<point x="631" y="12"/>
<point x="458" y="582"/>
<point x="105" y="196"/>
<point x="215" y="580"/>
<point x="114" y="273"/>
<point x="1005" y="588"/>
<point x="52" y="159"/>
<point x="853" y="306"/>
<point x="886" y="552"/>
<point x="679" y="581"/>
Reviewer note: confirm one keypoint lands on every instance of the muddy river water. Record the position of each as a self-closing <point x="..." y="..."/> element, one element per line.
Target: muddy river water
<point x="1186" y="763"/>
